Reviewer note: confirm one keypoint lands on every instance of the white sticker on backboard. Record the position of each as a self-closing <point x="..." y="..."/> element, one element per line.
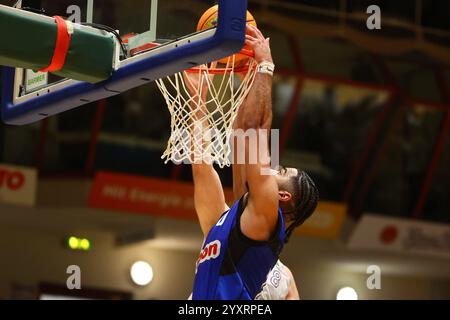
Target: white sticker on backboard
<point x="35" y="80"/>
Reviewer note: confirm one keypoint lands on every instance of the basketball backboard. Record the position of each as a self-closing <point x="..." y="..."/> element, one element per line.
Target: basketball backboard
<point x="29" y="96"/>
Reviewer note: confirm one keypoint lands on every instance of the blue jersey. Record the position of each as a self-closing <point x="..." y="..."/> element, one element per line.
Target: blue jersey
<point x="231" y="266"/>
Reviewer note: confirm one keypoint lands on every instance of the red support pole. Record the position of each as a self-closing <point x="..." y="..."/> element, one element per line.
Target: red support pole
<point x="382" y="118"/>
<point x="362" y="195"/>
<point x="437" y="152"/>
<point x="371" y="140"/>
<point x="95" y="133"/>
<point x="432" y="167"/>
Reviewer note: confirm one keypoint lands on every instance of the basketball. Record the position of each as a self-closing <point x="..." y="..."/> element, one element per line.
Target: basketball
<point x="209" y="20"/>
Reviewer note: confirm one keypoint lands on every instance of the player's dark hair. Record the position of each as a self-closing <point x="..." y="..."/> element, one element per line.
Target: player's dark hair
<point x="305" y="197"/>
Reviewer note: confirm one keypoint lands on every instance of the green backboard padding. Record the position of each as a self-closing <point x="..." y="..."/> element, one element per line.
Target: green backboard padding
<point x="28" y="41"/>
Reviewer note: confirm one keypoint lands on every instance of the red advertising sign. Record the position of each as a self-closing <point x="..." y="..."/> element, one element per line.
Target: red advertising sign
<point x="128" y="193"/>
<point x="17" y="185"/>
<point x="143" y="195"/>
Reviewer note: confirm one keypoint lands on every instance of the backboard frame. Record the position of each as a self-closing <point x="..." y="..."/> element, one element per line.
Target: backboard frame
<point x="226" y="39"/>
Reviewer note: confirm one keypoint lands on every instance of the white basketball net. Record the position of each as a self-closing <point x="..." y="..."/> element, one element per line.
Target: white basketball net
<point x="201" y="129"/>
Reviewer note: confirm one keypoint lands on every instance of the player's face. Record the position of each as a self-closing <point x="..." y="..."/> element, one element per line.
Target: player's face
<point x="283" y="172"/>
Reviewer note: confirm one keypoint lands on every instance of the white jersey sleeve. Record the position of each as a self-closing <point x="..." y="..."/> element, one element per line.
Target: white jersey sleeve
<point x="277" y="284"/>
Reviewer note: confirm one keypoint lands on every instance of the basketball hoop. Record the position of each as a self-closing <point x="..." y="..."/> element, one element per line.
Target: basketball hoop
<point x="201" y="128"/>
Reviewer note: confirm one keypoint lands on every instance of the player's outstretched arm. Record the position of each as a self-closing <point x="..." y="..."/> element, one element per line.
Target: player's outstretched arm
<point x="261" y="214"/>
<point x="209" y="198"/>
<point x="238" y="169"/>
<point x="252" y="99"/>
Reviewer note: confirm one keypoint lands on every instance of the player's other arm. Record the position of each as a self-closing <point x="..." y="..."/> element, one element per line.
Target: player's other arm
<point x="261" y="214"/>
<point x="209" y="198"/>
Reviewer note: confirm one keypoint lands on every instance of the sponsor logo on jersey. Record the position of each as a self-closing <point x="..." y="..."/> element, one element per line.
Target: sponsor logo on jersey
<point x="209" y="251"/>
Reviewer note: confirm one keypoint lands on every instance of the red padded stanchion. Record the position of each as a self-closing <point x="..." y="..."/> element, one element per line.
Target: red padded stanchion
<point x="63" y="38"/>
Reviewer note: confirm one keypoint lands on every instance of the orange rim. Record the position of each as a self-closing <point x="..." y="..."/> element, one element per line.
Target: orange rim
<point x="248" y="53"/>
<point x="242" y="69"/>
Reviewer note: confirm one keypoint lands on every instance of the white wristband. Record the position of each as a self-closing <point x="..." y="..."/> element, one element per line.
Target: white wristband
<point x="266" y="67"/>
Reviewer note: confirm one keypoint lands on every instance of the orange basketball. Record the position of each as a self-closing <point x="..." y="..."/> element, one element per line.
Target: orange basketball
<point x="209" y="20"/>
